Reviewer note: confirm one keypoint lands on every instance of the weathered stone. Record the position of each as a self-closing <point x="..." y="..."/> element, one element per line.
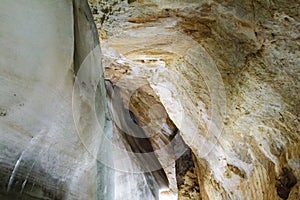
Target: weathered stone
<point x="227" y="74"/>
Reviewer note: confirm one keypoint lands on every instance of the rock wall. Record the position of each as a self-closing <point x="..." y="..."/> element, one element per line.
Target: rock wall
<point x="227" y="74"/>
<point x="213" y="84"/>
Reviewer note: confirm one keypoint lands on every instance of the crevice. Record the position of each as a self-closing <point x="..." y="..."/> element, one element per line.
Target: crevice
<point x="285" y="182"/>
<point x="236" y="170"/>
<point x="186" y="176"/>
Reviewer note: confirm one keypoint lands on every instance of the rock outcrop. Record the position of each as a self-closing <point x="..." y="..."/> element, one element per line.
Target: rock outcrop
<point x="226" y="75"/>
<point x="211" y="87"/>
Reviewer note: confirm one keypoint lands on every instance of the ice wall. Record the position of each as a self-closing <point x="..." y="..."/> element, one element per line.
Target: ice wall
<point x="55" y="124"/>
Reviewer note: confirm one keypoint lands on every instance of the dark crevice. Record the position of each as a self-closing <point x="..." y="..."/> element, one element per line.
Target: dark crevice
<point x="285" y="182"/>
<point x="186" y="175"/>
<point x="183" y="165"/>
<point x="130" y="131"/>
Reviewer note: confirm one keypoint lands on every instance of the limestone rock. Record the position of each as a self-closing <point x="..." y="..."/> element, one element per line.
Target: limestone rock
<point x="227" y="74"/>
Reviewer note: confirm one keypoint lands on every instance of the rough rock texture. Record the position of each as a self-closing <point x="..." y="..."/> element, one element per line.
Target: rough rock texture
<point x="227" y="74"/>
<point x="187" y="181"/>
<point x="214" y="85"/>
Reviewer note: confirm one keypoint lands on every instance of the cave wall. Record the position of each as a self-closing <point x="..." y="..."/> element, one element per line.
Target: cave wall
<point x="227" y="74"/>
<point x="221" y="75"/>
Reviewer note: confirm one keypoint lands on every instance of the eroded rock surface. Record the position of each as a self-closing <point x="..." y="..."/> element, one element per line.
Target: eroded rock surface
<point x="227" y="75"/>
<point x="221" y="77"/>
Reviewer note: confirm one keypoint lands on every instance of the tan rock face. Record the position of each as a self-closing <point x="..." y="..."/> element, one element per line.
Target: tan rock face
<point x="227" y="76"/>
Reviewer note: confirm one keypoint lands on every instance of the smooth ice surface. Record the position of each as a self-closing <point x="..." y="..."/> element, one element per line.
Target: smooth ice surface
<point x="54" y="118"/>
